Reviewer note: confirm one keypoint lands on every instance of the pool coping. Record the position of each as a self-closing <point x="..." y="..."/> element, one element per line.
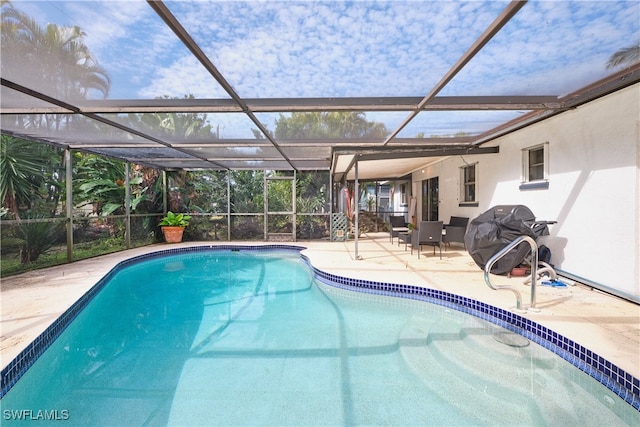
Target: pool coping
<point x="620" y="382"/>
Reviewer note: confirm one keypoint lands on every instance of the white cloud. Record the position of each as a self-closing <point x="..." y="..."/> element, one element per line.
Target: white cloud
<point x="185" y="76"/>
<point x="550" y="48"/>
<point x="363" y="48"/>
<point x="333" y="49"/>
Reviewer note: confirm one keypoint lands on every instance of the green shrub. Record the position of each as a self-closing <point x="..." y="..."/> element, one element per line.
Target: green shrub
<point x="36" y="238"/>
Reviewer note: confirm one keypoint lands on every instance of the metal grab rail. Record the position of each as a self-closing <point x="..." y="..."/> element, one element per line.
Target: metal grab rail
<point x="534" y="266"/>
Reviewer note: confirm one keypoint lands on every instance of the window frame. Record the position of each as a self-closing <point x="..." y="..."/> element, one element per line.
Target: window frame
<point x="526" y="183"/>
<point x="464" y="185"/>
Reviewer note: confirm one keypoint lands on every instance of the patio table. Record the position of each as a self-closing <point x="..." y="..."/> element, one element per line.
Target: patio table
<point x="405" y="237"/>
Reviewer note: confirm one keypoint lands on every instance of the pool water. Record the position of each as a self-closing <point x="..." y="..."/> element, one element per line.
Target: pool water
<point x="250" y="338"/>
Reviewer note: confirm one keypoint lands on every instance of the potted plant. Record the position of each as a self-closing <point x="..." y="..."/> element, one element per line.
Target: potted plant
<point x="173" y="226"/>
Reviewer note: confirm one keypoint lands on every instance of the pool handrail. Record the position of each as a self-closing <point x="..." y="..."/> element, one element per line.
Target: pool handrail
<point x="534" y="265"/>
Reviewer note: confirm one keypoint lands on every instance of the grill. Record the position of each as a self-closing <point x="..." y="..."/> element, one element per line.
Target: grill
<point x="494" y="229"/>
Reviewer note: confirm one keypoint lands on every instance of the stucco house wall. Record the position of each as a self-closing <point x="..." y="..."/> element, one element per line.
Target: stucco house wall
<point x="593" y="192"/>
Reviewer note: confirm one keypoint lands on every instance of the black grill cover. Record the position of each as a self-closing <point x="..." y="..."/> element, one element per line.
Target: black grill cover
<point x="496" y="228"/>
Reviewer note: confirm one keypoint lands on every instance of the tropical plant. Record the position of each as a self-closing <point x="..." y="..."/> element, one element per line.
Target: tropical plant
<point x="247" y="191"/>
<point x="57" y="56"/>
<point x="36" y="237"/>
<point x="208" y="191"/>
<point x="371" y="202"/>
<point x="175" y="220"/>
<point x="28" y="173"/>
<point x="177" y="125"/>
<point x="625" y="56"/>
<point x="197" y="191"/>
<point x="279" y="195"/>
<point x="311" y="191"/>
<point x="183" y="127"/>
<point x="100" y="182"/>
<point x="152" y="186"/>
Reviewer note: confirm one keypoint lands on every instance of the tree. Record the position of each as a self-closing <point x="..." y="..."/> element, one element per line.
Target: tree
<point x="64" y="65"/>
<point x="312" y="191"/>
<point x="625" y="57"/>
<point x="341" y="124"/>
<point x="182" y="126"/>
<point x="55" y="57"/>
<point x="177" y="127"/>
<point x="247" y="191"/>
<point x="208" y="191"/>
<point x="27" y="174"/>
<point x="336" y="124"/>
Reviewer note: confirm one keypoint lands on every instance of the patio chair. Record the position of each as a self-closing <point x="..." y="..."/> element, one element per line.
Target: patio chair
<point x="429" y="234"/>
<point x="396" y="225"/>
<point x="455" y="230"/>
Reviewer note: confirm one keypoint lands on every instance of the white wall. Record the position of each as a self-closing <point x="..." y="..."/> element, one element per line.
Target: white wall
<point x="594" y="187"/>
<point x="396" y="203"/>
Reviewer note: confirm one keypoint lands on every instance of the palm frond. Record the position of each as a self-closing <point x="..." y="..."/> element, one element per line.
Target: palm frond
<point x="625" y="56"/>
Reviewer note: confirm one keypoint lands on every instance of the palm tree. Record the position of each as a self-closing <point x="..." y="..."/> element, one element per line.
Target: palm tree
<point x="22" y="171"/>
<point x="177" y="127"/>
<point x="180" y="126"/>
<point x="625" y="57"/>
<point x="57" y="55"/>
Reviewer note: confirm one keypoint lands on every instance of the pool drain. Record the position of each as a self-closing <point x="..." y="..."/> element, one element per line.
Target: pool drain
<point x="510" y="338"/>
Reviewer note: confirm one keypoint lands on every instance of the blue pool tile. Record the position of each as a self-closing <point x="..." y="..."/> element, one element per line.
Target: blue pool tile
<point x="622" y="383"/>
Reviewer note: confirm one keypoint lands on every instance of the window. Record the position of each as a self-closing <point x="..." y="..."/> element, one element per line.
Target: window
<point x="469" y="184"/>
<point x="535" y="167"/>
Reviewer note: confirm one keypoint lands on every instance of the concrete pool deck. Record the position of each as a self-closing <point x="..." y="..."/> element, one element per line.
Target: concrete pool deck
<point x="605" y="324"/>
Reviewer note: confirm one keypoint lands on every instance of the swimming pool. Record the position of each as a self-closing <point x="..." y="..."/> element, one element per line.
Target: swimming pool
<point x="241" y="336"/>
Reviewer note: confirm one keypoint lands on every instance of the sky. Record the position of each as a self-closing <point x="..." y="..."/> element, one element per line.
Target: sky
<point x="277" y="49"/>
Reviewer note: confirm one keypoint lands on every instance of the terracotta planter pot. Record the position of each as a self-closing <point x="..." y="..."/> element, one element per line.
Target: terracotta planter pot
<point x="519" y="271"/>
<point x="172" y="234"/>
